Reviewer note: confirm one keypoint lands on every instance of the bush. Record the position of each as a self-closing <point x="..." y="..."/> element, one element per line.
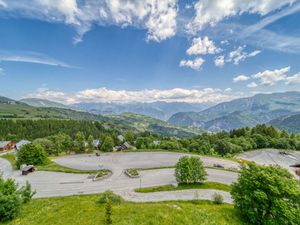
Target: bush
<point x="267" y="195"/>
<point x="31" y="154"/>
<point x="9" y="206"/>
<point x="26" y="193"/>
<point x="217" y="199"/>
<point x="190" y="170"/>
<point x="110" y="196"/>
<point x="11" y="198"/>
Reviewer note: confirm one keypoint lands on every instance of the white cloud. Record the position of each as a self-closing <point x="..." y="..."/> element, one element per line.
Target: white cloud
<point x="195" y="64"/>
<point x="202" y="47"/>
<point x="31" y="57"/>
<point x="220" y="61"/>
<point x="210" y="12"/>
<point x="271" y="77"/>
<point x="1" y="71"/>
<point x="238" y="55"/>
<point x="157" y="17"/>
<point x="206" y="95"/>
<point x="295" y="79"/>
<point x="271" y="19"/>
<point x="252" y="85"/>
<point x="240" y="78"/>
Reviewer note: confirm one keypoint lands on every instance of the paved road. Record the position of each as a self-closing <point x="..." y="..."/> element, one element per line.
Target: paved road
<point x="5" y="168"/>
<point x="117" y="161"/>
<point x="62" y="184"/>
<point x="272" y="156"/>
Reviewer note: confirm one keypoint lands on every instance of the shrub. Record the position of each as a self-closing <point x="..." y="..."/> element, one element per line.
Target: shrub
<point x="11" y="198"/>
<point x="31" y="154"/>
<point x="110" y="196"/>
<point x="267" y="195"/>
<point x="26" y="193"/>
<point x="190" y="170"/>
<point x="108" y="212"/>
<point x="217" y="199"/>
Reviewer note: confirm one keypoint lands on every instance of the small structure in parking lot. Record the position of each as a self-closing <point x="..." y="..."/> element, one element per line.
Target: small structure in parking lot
<point x="27" y="169"/>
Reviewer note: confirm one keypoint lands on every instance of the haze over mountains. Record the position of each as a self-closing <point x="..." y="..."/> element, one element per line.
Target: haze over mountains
<point x="250" y="111"/>
<point x="279" y="109"/>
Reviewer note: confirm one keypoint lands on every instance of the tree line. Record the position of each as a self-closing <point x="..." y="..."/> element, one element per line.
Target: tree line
<point x="58" y="136"/>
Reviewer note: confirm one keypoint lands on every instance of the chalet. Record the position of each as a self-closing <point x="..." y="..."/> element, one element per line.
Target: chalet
<point x="21" y="143"/>
<point x="7" y="145"/>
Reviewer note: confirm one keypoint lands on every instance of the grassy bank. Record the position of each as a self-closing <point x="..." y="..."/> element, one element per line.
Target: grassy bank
<point x="83" y="210"/>
<point x="169" y="187"/>
<point x="53" y="167"/>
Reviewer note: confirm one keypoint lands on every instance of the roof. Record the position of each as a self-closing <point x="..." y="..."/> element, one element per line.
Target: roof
<point x="4" y="143"/>
<point x="96" y="143"/>
<point x="26" y="168"/>
<point x="21" y="143"/>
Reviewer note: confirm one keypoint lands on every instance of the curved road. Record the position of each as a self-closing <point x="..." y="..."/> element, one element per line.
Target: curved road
<point x="62" y="184"/>
<point x="5" y="168"/>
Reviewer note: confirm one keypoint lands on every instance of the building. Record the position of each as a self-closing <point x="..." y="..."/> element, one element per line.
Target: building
<point x="21" y="143"/>
<point x="7" y="145"/>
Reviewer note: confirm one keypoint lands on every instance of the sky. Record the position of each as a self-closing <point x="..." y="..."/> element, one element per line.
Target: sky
<point x="197" y="51"/>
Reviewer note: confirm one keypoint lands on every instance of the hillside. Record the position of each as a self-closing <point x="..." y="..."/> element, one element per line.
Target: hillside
<point x="11" y="109"/>
<point x="250" y="111"/>
<point x="37" y="102"/>
<point x="289" y="123"/>
<point x="159" y="110"/>
<point x="145" y="123"/>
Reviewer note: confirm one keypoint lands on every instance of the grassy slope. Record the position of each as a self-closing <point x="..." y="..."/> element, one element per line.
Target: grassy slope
<point x="53" y="167"/>
<point x="205" y="185"/>
<point x="83" y="210"/>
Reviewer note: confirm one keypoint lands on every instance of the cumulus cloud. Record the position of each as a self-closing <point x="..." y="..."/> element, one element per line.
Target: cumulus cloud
<point x="240" y="78"/>
<point x="157" y="17"/>
<point x="210" y="12"/>
<point x="195" y="64"/>
<point x="206" y="95"/>
<point x="220" y="61"/>
<point x="252" y="85"/>
<point x="202" y="47"/>
<point x="295" y="79"/>
<point x="238" y="55"/>
<point x="271" y="77"/>
<point x="31" y="57"/>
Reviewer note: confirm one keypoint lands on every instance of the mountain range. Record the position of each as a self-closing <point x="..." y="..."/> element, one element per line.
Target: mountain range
<point x="12" y="109"/>
<point x="279" y="109"/>
<point x="159" y="110"/>
<point x="260" y="108"/>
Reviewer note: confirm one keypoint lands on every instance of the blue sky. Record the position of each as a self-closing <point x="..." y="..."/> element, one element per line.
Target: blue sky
<point x="112" y="50"/>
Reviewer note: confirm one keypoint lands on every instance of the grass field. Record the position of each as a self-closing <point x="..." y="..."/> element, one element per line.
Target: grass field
<point x="169" y="187"/>
<point x="83" y="210"/>
<point x="54" y="167"/>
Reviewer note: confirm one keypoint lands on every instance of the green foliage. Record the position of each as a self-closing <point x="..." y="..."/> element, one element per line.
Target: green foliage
<point x="26" y="193"/>
<point x="108" y="212"/>
<point x="11" y="198"/>
<point x="267" y="195"/>
<point x="217" y="199"/>
<point x="82" y="210"/>
<point x="31" y="154"/>
<point x="190" y="170"/>
<point x="110" y="196"/>
<point x="107" y="144"/>
<point x="79" y="142"/>
<point x="90" y="145"/>
<point x="129" y="136"/>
